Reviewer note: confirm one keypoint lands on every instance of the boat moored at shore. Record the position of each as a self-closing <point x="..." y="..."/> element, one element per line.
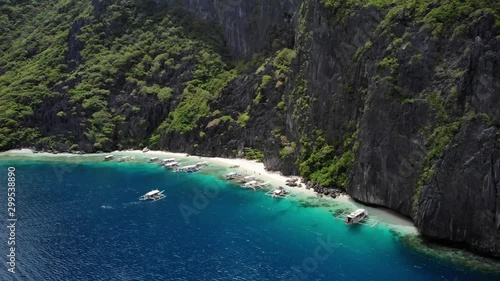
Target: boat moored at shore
<point x="153" y="159"/>
<point x="167" y="160"/>
<point x="248" y="179"/>
<point x="188" y="169"/>
<point x="171" y="165"/>
<point x="201" y="164"/>
<point x="126" y="159"/>
<point x="356" y="216"/>
<point x="280" y="192"/>
<point x="255" y="184"/>
<point x="231" y="176"/>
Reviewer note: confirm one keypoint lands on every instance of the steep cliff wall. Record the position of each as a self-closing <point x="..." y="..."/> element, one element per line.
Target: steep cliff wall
<point x="425" y="109"/>
<point x="249" y="26"/>
<point x="397" y="103"/>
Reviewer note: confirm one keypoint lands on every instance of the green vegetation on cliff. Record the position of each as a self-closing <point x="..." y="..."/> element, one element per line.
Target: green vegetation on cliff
<point x="105" y="63"/>
<point x="440" y="15"/>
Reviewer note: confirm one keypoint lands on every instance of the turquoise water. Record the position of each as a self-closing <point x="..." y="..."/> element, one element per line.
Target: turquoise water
<point x="82" y="221"/>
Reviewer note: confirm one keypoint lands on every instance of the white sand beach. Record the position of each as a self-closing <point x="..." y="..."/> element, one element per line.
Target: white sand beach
<point x="247" y="167"/>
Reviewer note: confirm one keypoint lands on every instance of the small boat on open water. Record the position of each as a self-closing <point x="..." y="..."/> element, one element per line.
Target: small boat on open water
<point x="154" y="195"/>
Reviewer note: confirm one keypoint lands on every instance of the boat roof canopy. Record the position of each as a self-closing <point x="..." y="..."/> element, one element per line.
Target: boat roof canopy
<point x="356" y="213"/>
<point x="153" y="192"/>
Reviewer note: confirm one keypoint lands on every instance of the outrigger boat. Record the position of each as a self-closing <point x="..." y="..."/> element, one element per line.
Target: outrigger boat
<point x="231" y="176"/>
<point x="153" y="159"/>
<point x="360" y="216"/>
<point x="280" y="192"/>
<point x="109" y="157"/>
<point x="144" y="150"/>
<point x="255" y="184"/>
<point x="248" y="179"/>
<point x="188" y="169"/>
<point x="201" y="164"/>
<point x="154" y="195"/>
<point x="166" y="161"/>
<point x="356" y="216"/>
<point x="171" y="165"/>
<point x="126" y="159"/>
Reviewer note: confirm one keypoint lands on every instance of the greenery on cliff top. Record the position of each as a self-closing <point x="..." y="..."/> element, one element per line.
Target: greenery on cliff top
<point x="438" y="14"/>
<point x="131" y="52"/>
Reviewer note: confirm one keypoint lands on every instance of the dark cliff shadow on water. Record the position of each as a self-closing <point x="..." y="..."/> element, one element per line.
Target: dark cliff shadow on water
<point x="451" y="255"/>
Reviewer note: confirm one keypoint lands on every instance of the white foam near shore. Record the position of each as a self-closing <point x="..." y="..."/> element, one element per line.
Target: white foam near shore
<point x="248" y="167"/>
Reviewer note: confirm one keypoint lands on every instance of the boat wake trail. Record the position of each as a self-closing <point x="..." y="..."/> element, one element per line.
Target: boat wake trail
<point x="130" y="204"/>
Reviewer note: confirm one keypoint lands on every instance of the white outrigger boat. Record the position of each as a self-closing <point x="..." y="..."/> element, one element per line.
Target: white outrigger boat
<point x="153" y="159"/>
<point x="188" y="169"/>
<point x="280" y="192"/>
<point x="231" y="176"/>
<point x="109" y="157"/>
<point x="248" y="179"/>
<point x="166" y="161"/>
<point x="255" y="184"/>
<point x="359" y="216"/>
<point x="126" y="159"/>
<point x="171" y="165"/>
<point x="154" y="195"/>
<point x="356" y="216"/>
<point x="201" y="164"/>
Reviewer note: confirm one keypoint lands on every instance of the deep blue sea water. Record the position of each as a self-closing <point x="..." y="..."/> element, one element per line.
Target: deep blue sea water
<point x="83" y="222"/>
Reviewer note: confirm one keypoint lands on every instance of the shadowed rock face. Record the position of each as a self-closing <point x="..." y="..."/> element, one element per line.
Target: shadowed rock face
<point x="248" y="26"/>
<point x="461" y="202"/>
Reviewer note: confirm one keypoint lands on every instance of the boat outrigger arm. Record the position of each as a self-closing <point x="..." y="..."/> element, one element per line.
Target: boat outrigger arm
<point x="154" y="195"/>
<point x="280" y="192"/>
<point x="255" y="184"/>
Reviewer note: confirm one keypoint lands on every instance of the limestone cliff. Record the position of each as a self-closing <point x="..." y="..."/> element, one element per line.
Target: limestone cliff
<point x="396" y="103"/>
<point x="424" y="107"/>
